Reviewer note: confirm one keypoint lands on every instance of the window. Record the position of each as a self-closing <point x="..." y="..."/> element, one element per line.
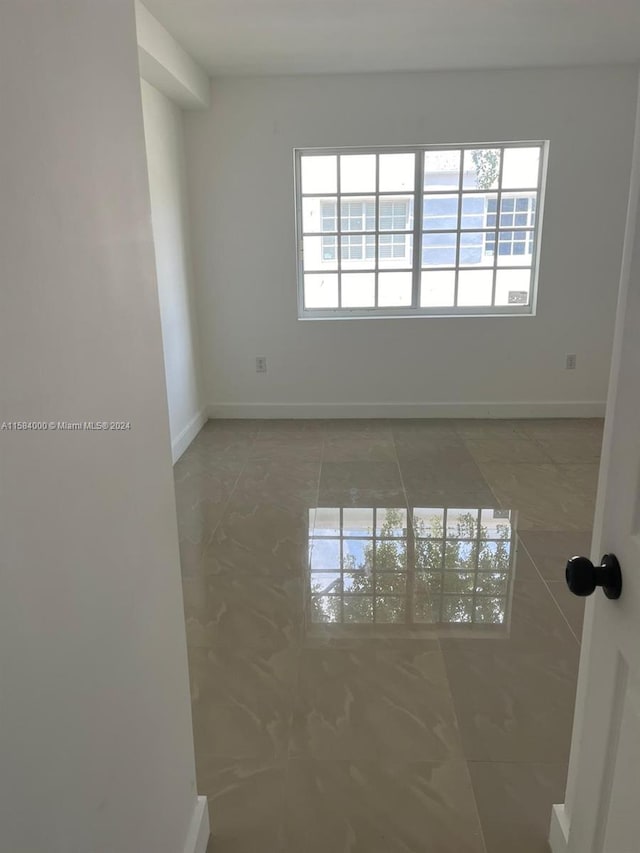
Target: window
<point x="419" y="231"/>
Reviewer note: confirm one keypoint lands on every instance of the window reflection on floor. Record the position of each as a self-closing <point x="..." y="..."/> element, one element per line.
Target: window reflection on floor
<point x="429" y="566"/>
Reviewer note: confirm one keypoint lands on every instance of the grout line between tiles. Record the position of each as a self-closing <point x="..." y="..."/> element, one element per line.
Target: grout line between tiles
<point x="544" y="581"/>
<point x="446" y="671"/>
<point x="227" y="500"/>
<point x="516" y="761"/>
<point x="306" y="570"/>
<point x="475" y="805"/>
<point x="233" y="489"/>
<point x="517" y="437"/>
<point x="410" y="522"/>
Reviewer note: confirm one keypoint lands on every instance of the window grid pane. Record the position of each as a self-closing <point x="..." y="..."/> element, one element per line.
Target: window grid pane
<point x="464" y="218"/>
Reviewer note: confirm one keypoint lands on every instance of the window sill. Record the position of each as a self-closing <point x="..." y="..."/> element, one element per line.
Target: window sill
<point x="363" y="315"/>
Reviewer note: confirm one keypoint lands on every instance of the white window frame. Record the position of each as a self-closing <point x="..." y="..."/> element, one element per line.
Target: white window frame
<point x="415" y="310"/>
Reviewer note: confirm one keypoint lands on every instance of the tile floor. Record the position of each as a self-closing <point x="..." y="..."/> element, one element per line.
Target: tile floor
<point x="383" y="654"/>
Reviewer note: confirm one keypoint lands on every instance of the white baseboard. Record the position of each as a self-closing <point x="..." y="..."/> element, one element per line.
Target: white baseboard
<point x="407" y="410"/>
<point x="198" y="835"/>
<point x="186" y="435"/>
<point x="559" y="830"/>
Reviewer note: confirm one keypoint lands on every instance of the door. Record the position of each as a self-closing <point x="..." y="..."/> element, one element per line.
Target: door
<point x="602" y="809"/>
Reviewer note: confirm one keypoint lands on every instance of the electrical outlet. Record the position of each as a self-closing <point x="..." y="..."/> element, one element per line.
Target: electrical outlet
<point x="570" y="364"/>
<point x="261" y="364"/>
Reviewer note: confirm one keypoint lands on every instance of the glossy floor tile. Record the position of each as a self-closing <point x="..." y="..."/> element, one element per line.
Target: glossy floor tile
<point x="239" y="610"/>
<point x="242" y="701"/>
<point x="571" y="606"/>
<point x="550" y="549"/>
<point x="364" y="703"/>
<point x="383" y="654"/>
<point x="246" y="804"/>
<point x="380" y="807"/>
<point x="548" y="496"/>
<point x="513" y="703"/>
<point x="513" y="802"/>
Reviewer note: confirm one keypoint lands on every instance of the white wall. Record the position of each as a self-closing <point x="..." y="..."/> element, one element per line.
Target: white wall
<point x="165" y="160"/>
<point x="239" y="156"/>
<point x="96" y="747"/>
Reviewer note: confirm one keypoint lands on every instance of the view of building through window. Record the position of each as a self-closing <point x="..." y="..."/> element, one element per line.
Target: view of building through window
<point x="419" y="231"/>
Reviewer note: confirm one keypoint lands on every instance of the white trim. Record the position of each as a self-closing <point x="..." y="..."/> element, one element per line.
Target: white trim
<point x="165" y="64"/>
<point x="576" y="758"/>
<point x="559" y="830"/>
<point x="184" y="438"/>
<point x="587" y="409"/>
<point x="198" y="834"/>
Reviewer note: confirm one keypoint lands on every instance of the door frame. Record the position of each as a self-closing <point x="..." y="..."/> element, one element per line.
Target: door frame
<point x="560" y="827"/>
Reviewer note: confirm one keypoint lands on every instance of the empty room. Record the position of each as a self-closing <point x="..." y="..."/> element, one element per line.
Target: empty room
<point x="319" y="418"/>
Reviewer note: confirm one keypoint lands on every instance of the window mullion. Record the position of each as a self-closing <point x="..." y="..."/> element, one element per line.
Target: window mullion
<point x="476" y="565"/>
<point x="376" y="232"/>
<point x="459" y="225"/>
<point x="299" y="232"/>
<point x="418" y="203"/>
<point x="339" y="227"/>
<point x="496" y="251"/>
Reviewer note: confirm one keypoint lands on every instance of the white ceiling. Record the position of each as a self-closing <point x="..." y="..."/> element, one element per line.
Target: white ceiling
<point x="325" y="36"/>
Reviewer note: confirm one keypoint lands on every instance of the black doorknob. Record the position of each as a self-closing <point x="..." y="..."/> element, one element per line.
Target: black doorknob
<point x="583" y="577"/>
